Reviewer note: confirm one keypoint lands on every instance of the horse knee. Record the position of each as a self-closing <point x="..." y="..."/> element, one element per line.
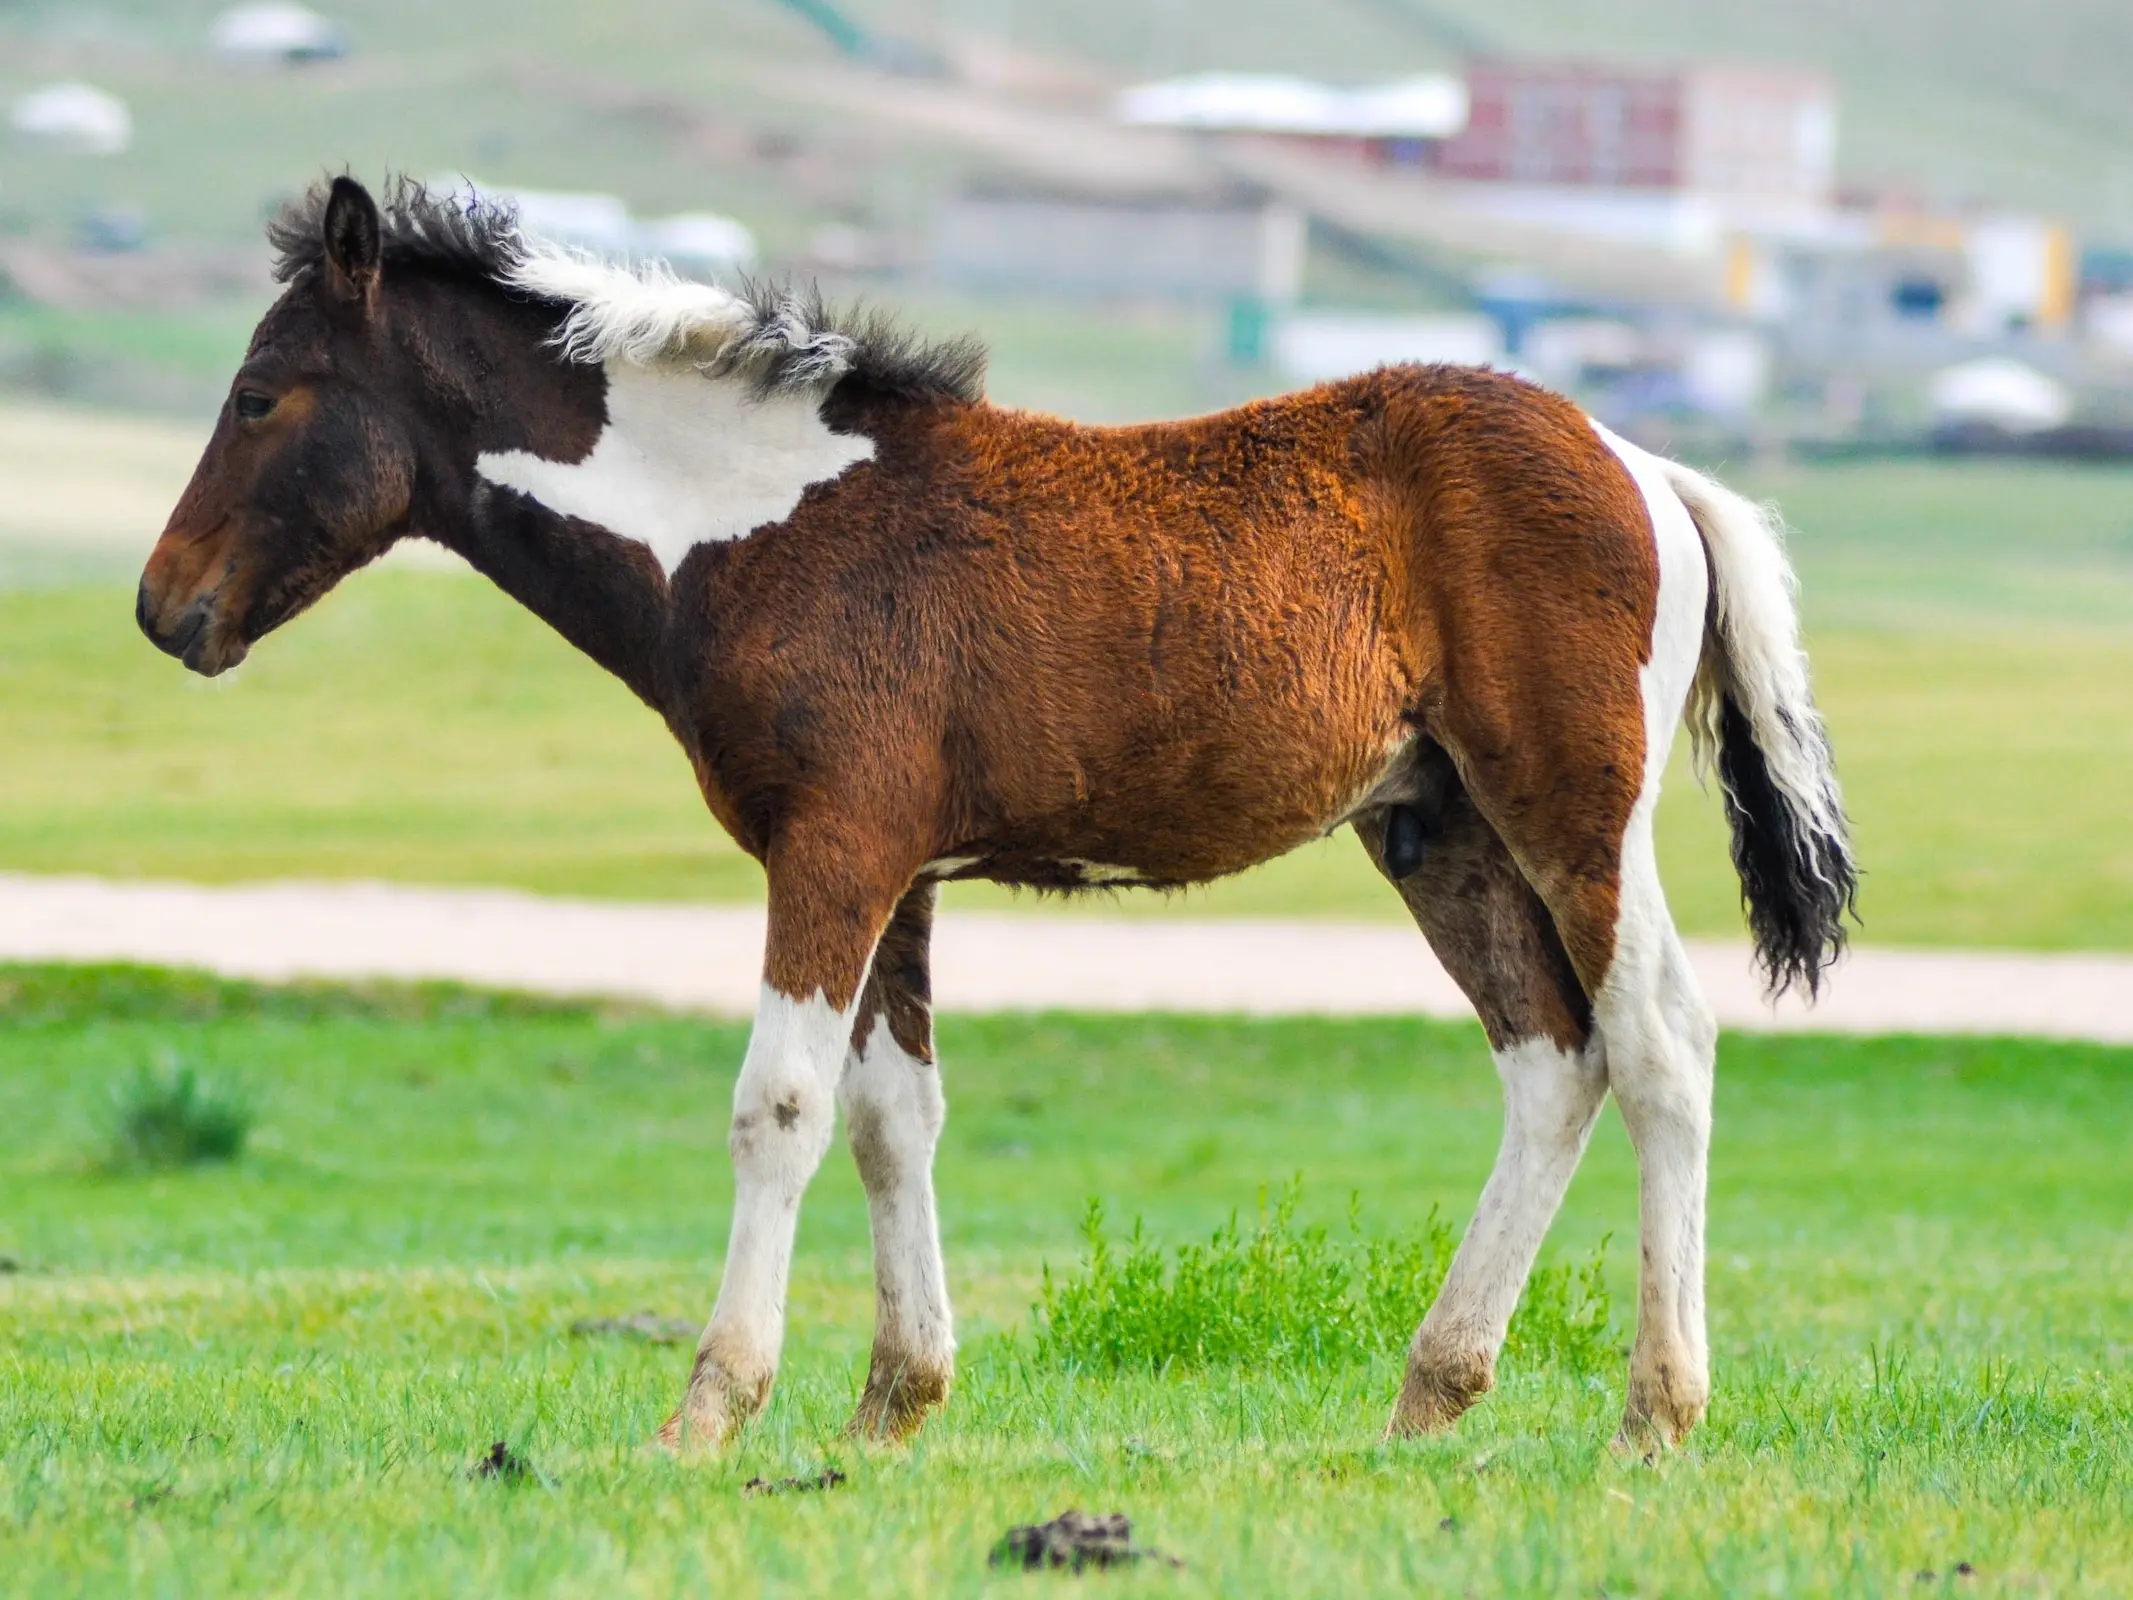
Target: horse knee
<point x="894" y="1111"/>
<point x="1661" y="1052"/>
<point x="780" y="1128"/>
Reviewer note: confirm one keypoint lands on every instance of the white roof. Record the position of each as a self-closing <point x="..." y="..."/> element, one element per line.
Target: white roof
<point x="2000" y="391"/>
<point x="1431" y="107"/>
<point x="75" y="115"/>
<point x="273" y="31"/>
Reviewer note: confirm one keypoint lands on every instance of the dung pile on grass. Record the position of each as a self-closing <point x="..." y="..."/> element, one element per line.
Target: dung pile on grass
<point x="1072" y="1541"/>
<point x="1294" y="1295"/>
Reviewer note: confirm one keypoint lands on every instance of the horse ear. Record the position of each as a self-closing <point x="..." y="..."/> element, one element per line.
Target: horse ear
<point x="352" y="242"/>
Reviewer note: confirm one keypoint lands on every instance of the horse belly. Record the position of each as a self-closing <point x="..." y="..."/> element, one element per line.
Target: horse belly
<point x="1173" y="794"/>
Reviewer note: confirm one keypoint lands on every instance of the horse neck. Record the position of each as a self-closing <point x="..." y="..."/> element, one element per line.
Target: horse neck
<point x="499" y="386"/>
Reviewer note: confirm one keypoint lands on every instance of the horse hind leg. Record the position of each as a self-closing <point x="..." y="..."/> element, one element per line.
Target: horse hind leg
<point x="1661" y="1061"/>
<point x="1496" y="938"/>
<point x="894" y="1108"/>
<point x="1570" y="783"/>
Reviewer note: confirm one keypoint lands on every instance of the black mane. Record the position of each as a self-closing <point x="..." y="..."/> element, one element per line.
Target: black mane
<point x="418" y="227"/>
<point x="464" y="233"/>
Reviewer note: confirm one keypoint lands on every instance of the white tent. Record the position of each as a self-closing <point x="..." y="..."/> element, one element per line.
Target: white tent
<point x="75" y="116"/>
<point x="274" y="32"/>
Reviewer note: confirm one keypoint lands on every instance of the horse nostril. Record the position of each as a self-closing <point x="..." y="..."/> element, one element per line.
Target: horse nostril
<point x="140" y="613"/>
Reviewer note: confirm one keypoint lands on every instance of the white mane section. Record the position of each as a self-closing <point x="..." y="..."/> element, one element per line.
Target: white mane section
<point x="641" y="313"/>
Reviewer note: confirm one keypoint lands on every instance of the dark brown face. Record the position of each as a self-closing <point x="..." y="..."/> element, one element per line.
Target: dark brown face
<point x="309" y="474"/>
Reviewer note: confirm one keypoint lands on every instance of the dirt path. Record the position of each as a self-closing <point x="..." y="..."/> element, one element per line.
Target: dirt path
<point x="708" y="958"/>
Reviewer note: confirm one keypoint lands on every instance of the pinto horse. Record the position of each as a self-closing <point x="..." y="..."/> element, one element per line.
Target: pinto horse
<point x="905" y="636"/>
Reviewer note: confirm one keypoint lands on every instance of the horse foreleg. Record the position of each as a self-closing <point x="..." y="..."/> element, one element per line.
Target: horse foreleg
<point x="823" y="930"/>
<point x="894" y="1108"/>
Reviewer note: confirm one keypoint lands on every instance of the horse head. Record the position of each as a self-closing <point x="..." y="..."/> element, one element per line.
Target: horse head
<point x="311" y="469"/>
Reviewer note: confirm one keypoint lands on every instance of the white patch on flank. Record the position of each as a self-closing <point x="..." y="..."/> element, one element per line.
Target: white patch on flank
<point x="1097" y="872"/>
<point x="686" y="460"/>
<point x="894" y="1108"/>
<point x="1677" y="629"/>
<point x="783" y="1113"/>
<point x="947" y="866"/>
<point x="1551" y="1098"/>
<point x="1760" y="661"/>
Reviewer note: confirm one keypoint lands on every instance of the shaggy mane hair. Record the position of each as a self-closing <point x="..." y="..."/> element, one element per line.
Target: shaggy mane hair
<point x="774" y="336"/>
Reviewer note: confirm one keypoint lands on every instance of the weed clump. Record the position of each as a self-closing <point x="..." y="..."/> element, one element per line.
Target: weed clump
<point x="1291" y="1294"/>
<point x="170" y="1116"/>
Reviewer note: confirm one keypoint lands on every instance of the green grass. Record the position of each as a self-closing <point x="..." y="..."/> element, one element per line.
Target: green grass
<point x="1287" y="1293"/>
<point x="168" y="1115"/>
<point x="271" y="1376"/>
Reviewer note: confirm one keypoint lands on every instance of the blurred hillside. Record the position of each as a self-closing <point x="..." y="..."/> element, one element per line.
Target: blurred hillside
<point x="725" y="103"/>
<point x="840" y="164"/>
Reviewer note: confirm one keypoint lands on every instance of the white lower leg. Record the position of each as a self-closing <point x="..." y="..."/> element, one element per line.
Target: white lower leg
<point x="1551" y="1098"/>
<point x="783" y="1113"/>
<point x="894" y="1109"/>
<point x="1661" y="1045"/>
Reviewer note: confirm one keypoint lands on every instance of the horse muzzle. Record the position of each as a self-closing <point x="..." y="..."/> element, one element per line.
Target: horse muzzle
<point x="193" y="636"/>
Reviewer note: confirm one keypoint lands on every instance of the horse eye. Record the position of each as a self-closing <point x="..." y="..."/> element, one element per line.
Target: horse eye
<point x="252" y="405"/>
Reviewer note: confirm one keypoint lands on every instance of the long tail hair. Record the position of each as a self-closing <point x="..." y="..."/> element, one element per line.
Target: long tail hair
<point x="1752" y="715"/>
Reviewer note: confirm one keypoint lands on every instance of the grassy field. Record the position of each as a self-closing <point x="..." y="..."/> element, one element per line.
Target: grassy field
<point x="1973" y="640"/>
<point x="271" y="1376"/>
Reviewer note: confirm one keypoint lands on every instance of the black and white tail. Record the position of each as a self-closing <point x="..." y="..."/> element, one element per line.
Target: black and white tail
<point x="1752" y="715"/>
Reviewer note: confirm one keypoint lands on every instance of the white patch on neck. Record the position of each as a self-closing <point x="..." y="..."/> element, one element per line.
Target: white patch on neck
<point x="686" y="460"/>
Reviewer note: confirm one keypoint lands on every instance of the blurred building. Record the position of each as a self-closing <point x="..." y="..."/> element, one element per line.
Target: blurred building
<point x="1393" y="121"/>
<point x="1313" y="346"/>
<point x="1185" y="247"/>
<point x="1670" y="156"/>
<point x="1872" y="283"/>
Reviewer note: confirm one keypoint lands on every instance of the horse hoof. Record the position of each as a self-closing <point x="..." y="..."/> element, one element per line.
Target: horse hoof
<point x="1437" y="1394"/>
<point x="894" y="1407"/>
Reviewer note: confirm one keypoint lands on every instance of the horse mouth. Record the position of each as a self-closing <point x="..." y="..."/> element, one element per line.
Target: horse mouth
<point x="211" y="654"/>
<point x="193" y="641"/>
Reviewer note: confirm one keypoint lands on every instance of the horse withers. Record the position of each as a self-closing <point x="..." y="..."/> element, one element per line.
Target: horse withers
<point x="905" y="635"/>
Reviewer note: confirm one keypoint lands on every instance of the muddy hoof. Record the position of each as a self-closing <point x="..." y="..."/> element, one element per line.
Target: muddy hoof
<point x="896" y="1401"/>
<point x="1660" y="1412"/>
<point x="715" y="1408"/>
<point x="1437" y="1394"/>
<point x="1644" y="1437"/>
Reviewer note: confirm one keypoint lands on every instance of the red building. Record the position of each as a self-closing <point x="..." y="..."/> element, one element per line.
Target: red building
<point x="1752" y="134"/>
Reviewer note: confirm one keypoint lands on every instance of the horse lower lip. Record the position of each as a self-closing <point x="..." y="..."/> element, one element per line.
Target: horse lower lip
<point x="185" y="639"/>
